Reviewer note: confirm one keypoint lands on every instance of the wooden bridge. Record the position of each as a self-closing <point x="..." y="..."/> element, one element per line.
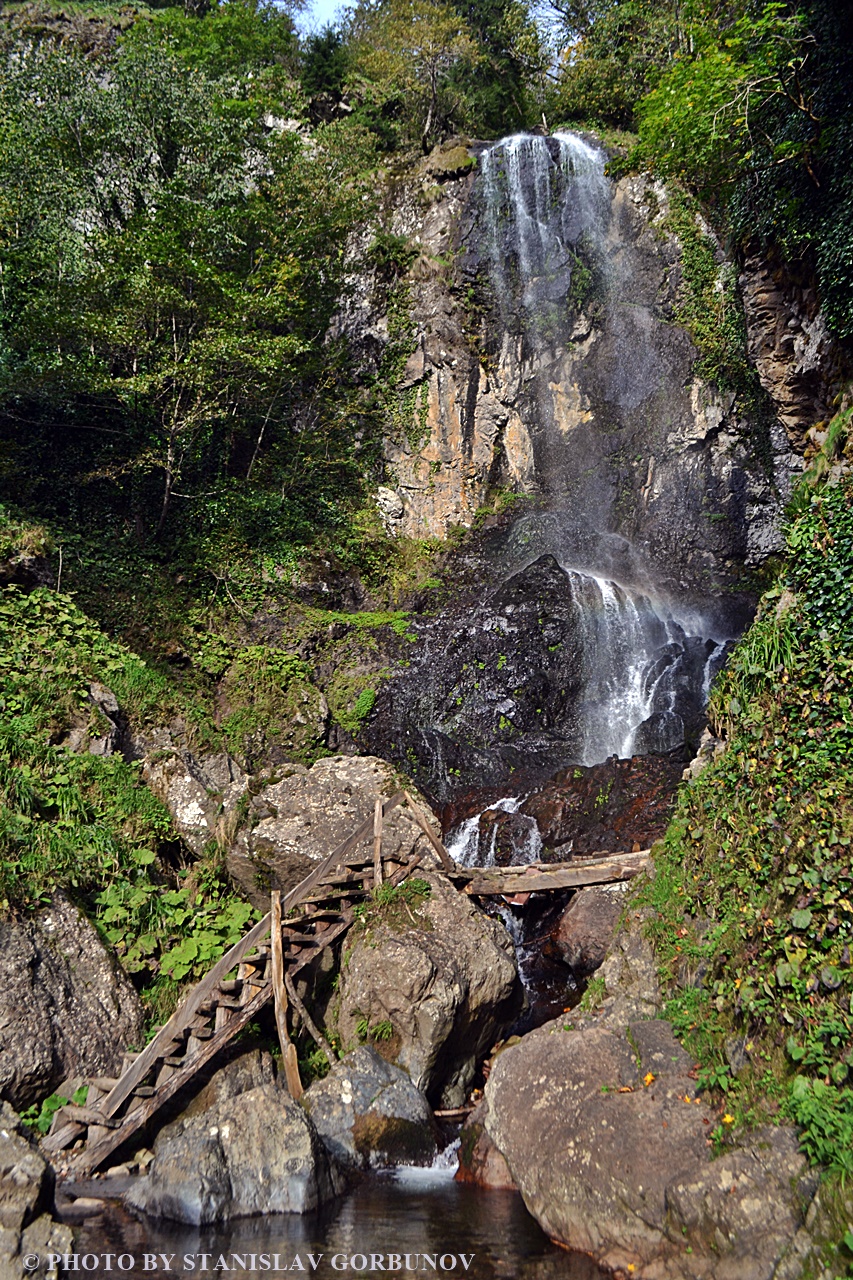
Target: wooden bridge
<point x="261" y="967"/>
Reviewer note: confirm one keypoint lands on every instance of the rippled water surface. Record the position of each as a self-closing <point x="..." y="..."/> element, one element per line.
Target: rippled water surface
<point x="422" y="1215"/>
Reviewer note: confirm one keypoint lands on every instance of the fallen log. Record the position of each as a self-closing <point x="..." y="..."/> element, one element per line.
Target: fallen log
<point x="542" y="878"/>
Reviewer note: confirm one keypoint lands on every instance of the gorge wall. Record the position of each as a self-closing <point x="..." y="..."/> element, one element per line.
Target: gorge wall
<point x="549" y="362"/>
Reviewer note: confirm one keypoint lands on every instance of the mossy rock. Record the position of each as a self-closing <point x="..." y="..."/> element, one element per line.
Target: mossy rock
<point x="453" y="163"/>
<point x="270" y="710"/>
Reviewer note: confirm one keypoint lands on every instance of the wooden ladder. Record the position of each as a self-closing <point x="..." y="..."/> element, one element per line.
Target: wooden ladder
<point x="313" y="915"/>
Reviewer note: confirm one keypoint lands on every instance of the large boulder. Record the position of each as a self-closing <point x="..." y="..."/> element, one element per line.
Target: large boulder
<point x="242" y="1148"/>
<point x="368" y="1113"/>
<point x="66" y="1008"/>
<point x="200" y="791"/>
<point x="598" y="1117"/>
<point x="586" y="927"/>
<point x="445" y="980"/>
<point x="26" y="1201"/>
<point x="296" y="820"/>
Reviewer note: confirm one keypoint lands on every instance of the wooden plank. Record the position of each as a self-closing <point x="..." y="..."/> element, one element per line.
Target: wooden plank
<point x="180" y="1020"/>
<point x="377" y="845"/>
<point x="186" y="1012"/>
<point x="308" y="1022"/>
<point x="444" y="857"/>
<point x="279" y="991"/>
<point x="96" y="1154"/>
<point x="566" y="875"/>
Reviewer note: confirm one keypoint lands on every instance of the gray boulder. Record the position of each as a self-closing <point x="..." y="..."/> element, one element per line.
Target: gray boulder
<point x="598" y="1117"/>
<point x="201" y="792"/>
<point x="446" y="981"/>
<point x="586" y="927"/>
<point x="296" y="821"/>
<point x="26" y="1203"/>
<point x="66" y="1007"/>
<point x="368" y="1113"/>
<point x="242" y="1148"/>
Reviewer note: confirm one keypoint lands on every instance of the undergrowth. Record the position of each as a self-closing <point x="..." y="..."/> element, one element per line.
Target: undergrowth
<point x="753" y="888"/>
<point x="85" y="823"/>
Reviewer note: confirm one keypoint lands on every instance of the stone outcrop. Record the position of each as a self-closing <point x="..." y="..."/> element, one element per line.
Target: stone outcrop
<point x="480" y="1162"/>
<point x="66" y="1008"/>
<point x="200" y="791"/>
<point x="585" y="930"/>
<point x="369" y="1113"/>
<point x="598" y="1117"/>
<point x="296" y="821"/>
<point x="26" y="1203"/>
<point x="447" y="983"/>
<point x="492" y="405"/>
<point x="243" y="1148"/>
<point x="790" y="347"/>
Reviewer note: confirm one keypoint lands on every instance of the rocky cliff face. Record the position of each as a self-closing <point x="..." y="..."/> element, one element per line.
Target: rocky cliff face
<point x="594" y="409"/>
<point x="548" y="360"/>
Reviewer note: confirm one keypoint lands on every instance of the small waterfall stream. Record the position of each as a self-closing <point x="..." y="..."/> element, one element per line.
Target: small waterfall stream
<point x="545" y="201"/>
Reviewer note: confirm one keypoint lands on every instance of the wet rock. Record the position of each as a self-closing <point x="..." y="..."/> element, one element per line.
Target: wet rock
<point x="516" y="680"/>
<point x="298" y="820"/>
<point x="447" y="982"/>
<point x="66" y="1008"/>
<point x="617" y="805"/>
<point x="243" y="1148"/>
<point x="480" y="1162"/>
<point x="369" y="1113"/>
<point x="586" y="928"/>
<point x="26" y="1203"/>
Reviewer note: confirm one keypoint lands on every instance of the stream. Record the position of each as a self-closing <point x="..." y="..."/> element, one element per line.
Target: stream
<point x="420" y="1214"/>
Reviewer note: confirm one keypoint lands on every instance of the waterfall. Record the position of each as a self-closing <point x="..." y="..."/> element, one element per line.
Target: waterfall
<point x="642" y="669"/>
<point x="545" y="203"/>
<point x="470" y="847"/>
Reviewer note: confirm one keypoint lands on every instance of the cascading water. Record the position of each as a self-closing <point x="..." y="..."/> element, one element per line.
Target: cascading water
<point x="470" y="847"/>
<point x="545" y="203"/>
<point x="611" y="598"/>
<point x="641" y="669"/>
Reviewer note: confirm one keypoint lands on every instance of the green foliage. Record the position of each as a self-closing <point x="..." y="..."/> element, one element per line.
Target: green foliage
<point x="271" y="703"/>
<point x="67" y="819"/>
<point x="710" y="307"/>
<point x="40" y="1117"/>
<point x="406" y="51"/>
<point x="754" y="883"/>
<point x="176" y="934"/>
<point x="168" y="282"/>
<point x="748" y="104"/>
<point x="396" y="907"/>
<point x="86" y="823"/>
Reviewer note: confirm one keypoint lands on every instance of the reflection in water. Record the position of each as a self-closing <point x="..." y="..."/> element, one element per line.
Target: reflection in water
<point x="412" y="1211"/>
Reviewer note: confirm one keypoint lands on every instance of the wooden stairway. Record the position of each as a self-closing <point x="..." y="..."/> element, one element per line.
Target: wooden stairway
<point x="232" y="993"/>
<point x="261" y="967"/>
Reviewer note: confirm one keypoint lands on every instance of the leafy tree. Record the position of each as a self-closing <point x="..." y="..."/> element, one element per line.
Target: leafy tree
<point x="169" y="267"/>
<point x="499" y="90"/>
<point x="325" y="62"/>
<point x="411" y="49"/>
